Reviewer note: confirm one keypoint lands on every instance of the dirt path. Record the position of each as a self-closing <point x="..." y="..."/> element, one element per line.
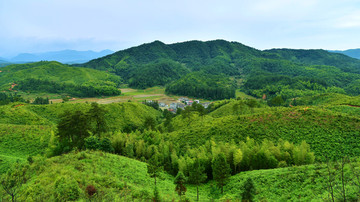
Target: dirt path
<point x="353" y="106"/>
<point x="149" y="95"/>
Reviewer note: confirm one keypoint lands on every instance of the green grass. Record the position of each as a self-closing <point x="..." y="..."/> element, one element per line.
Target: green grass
<point x="242" y="95"/>
<point x="17" y="142"/>
<point x="115" y="178"/>
<point x="303" y="183"/>
<point x="118" y="178"/>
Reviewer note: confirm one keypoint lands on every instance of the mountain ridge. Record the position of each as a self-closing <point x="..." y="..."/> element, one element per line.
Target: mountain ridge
<point x="354" y="53"/>
<point x="233" y="60"/>
<point x="64" y="56"/>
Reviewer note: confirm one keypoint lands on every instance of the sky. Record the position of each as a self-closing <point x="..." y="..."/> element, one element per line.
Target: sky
<point x="34" y="26"/>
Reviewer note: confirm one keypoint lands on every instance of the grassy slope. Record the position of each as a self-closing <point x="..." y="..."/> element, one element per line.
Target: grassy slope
<point x="115" y="177"/>
<point x="118" y="178"/>
<point x="25" y="129"/>
<point x="331" y="130"/>
<point x="302" y="183"/>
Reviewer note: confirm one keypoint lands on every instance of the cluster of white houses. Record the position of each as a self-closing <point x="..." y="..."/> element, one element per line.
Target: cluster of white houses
<point x="183" y="102"/>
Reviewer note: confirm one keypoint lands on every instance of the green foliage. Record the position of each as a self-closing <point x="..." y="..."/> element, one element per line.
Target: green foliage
<point x="278" y="72"/>
<point x="116" y="178"/>
<point x="57" y="76"/>
<point x="92" y="143"/>
<point x="180" y="181"/>
<point x="66" y="189"/>
<point x="41" y="101"/>
<point x="158" y="73"/>
<point x="157" y="197"/>
<point x="73" y="128"/>
<point x="106" y="146"/>
<point x="6" y="98"/>
<point x="79" y="90"/>
<point x="12" y="181"/>
<point x="96" y="115"/>
<point x="154" y="166"/>
<point x="197" y="175"/>
<point x="201" y="85"/>
<point x="329" y="132"/>
<point x="221" y="170"/>
<point x="249" y="191"/>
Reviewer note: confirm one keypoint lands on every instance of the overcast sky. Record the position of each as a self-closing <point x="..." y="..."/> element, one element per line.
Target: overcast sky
<point x="50" y="25"/>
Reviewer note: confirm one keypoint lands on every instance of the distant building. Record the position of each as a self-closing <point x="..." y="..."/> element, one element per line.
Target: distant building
<point x="189" y="102"/>
<point x="205" y="104"/>
<point x="181" y="106"/>
<point x="183" y="99"/>
<point x="173" y="105"/>
<point x="161" y="104"/>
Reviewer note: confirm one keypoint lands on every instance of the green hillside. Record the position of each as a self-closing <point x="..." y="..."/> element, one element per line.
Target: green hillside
<point x="332" y="130"/>
<point x="54" y="77"/>
<point x="117" y="178"/>
<point x="293" y="134"/>
<point x="26" y="129"/>
<point x="278" y="72"/>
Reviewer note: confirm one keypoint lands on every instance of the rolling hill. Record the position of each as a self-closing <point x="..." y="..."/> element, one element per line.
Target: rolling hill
<point x="355" y="53"/>
<point x="54" y="77"/>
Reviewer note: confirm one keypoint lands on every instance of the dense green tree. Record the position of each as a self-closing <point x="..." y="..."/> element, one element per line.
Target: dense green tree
<point x="13" y="179"/>
<point x="157" y="197"/>
<point x="41" y="101"/>
<point x="92" y="142"/>
<point x="180" y="180"/>
<point x="154" y="166"/>
<point x="221" y="170"/>
<point x="249" y="191"/>
<point x="197" y="175"/>
<point x="73" y="128"/>
<point x="106" y="146"/>
<point x="96" y="115"/>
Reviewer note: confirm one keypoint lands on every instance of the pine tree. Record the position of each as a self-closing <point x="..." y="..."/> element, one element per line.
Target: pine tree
<point x="221" y="170"/>
<point x="249" y="190"/>
<point x="180" y="180"/>
<point x="96" y="115"/>
<point x="197" y="175"/>
<point x="153" y="166"/>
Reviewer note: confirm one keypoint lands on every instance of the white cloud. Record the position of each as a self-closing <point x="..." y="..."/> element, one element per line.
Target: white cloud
<point x="99" y="23"/>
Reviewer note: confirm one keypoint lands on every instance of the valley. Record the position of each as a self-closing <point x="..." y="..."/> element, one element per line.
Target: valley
<point x="226" y="121"/>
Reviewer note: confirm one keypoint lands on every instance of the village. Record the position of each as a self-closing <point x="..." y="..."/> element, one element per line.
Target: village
<point x="180" y="104"/>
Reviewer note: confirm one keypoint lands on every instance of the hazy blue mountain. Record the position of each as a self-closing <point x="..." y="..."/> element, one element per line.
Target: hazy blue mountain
<point x="355" y="53"/>
<point x="65" y="56"/>
<point x="3" y="62"/>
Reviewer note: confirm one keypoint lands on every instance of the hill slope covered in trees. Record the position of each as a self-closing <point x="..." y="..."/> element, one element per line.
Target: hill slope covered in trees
<point x="54" y="77"/>
<point x="285" y="72"/>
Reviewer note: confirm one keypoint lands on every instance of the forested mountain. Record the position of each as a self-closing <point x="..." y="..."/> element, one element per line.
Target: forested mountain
<point x="355" y="53"/>
<point x="319" y="57"/>
<point x="277" y="72"/>
<point x="54" y="77"/>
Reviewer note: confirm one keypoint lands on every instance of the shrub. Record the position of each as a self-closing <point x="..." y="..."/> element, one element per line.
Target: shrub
<point x="90" y="190"/>
<point x="67" y="189"/>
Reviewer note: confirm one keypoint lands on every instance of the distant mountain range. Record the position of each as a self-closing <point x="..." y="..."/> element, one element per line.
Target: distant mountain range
<point x="355" y="53"/>
<point x="64" y="56"/>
